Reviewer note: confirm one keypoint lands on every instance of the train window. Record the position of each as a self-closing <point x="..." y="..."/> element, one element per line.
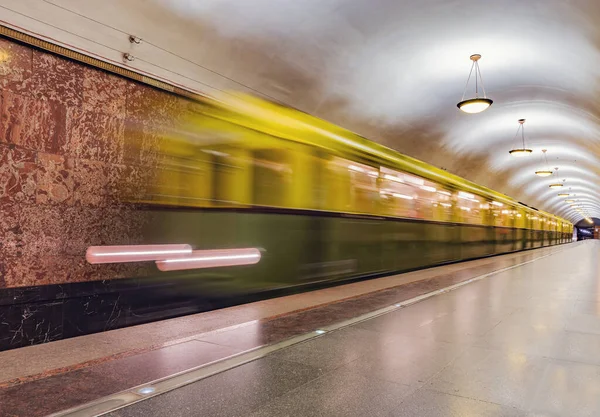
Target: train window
<point x="534" y="221"/>
<point x="408" y="195"/>
<point x="543" y="224"/>
<point x="272" y="177"/>
<point x="398" y="195"/>
<point x="306" y="190"/>
<point x="352" y="186"/>
<point x="520" y="218"/>
<point x="184" y="180"/>
<point x="513" y="216"/>
<point x="363" y="187"/>
<point x="502" y="215"/>
<point x="443" y="205"/>
<point x="469" y="208"/>
<point x="232" y="176"/>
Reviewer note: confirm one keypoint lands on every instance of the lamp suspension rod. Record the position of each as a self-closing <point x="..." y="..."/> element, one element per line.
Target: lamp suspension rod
<point x="481" y="78"/>
<point x="469" y="79"/>
<point x="476" y="85"/>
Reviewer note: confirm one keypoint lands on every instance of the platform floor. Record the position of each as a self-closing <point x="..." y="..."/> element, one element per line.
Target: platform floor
<point x="523" y="341"/>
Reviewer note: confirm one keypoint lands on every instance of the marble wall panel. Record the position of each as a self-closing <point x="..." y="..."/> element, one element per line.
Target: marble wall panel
<point x="93" y="226"/>
<point x="15" y="65"/>
<point x="77" y="145"/>
<point x="55" y="182"/>
<point x="104" y="93"/>
<point x="124" y="226"/>
<point x="142" y="143"/>
<point x="128" y="182"/>
<point x="83" y="229"/>
<point x="150" y="106"/>
<point x="37" y="269"/>
<point x="32" y="123"/>
<point x="91" y="183"/>
<point x="95" y="135"/>
<point x="55" y="79"/>
<point x="18" y="171"/>
<point x="43" y="230"/>
<point x="10" y="230"/>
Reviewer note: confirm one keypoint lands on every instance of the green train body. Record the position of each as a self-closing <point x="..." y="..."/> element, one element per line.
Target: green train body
<point x="321" y="202"/>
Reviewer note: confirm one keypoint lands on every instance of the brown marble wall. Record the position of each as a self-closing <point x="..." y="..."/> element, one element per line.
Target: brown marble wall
<point x="70" y="140"/>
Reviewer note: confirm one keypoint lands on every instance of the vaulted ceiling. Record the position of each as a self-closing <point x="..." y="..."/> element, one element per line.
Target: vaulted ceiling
<point x="390" y="70"/>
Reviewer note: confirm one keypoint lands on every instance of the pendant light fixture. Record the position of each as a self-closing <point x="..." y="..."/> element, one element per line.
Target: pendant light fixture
<point x="544" y="172"/>
<point x="556" y="184"/>
<point x="567" y="195"/>
<point x="520" y="151"/>
<point x="476" y="104"/>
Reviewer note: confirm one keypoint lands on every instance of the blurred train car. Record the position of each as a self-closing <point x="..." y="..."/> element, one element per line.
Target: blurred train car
<point x="322" y="203"/>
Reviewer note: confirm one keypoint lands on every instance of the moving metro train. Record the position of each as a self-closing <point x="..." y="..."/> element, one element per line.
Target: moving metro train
<point x="322" y="203"/>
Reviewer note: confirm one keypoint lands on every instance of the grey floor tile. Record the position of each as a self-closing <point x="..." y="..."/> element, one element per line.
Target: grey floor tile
<point x="586" y="307"/>
<point x="426" y="403"/>
<point x="456" y="325"/>
<point x="548" y="317"/>
<point x="407" y="320"/>
<point x="510" y="336"/>
<point x="578" y="347"/>
<point x="245" y="338"/>
<point x="233" y="393"/>
<point x="569" y="389"/>
<point x="505" y="378"/>
<point x="411" y="363"/>
<point x="464" y="327"/>
<point x="589" y="294"/>
<point x="335" y="349"/>
<point x="583" y="323"/>
<point x="339" y="393"/>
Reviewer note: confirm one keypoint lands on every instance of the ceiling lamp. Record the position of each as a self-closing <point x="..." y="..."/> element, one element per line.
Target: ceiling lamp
<point x="544" y="172"/>
<point x="476" y="104"/>
<point x="556" y="184"/>
<point x="520" y="151"/>
<point x="563" y="195"/>
<point x="569" y="201"/>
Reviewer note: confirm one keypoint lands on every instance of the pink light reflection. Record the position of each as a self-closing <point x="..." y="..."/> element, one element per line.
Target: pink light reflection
<point x="211" y="259"/>
<point x="134" y="253"/>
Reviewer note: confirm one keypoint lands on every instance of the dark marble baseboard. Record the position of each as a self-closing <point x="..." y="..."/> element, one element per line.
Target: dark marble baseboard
<point x="32" y="315"/>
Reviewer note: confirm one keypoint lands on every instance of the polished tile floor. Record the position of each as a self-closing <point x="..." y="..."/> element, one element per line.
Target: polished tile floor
<point x="524" y="342"/>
